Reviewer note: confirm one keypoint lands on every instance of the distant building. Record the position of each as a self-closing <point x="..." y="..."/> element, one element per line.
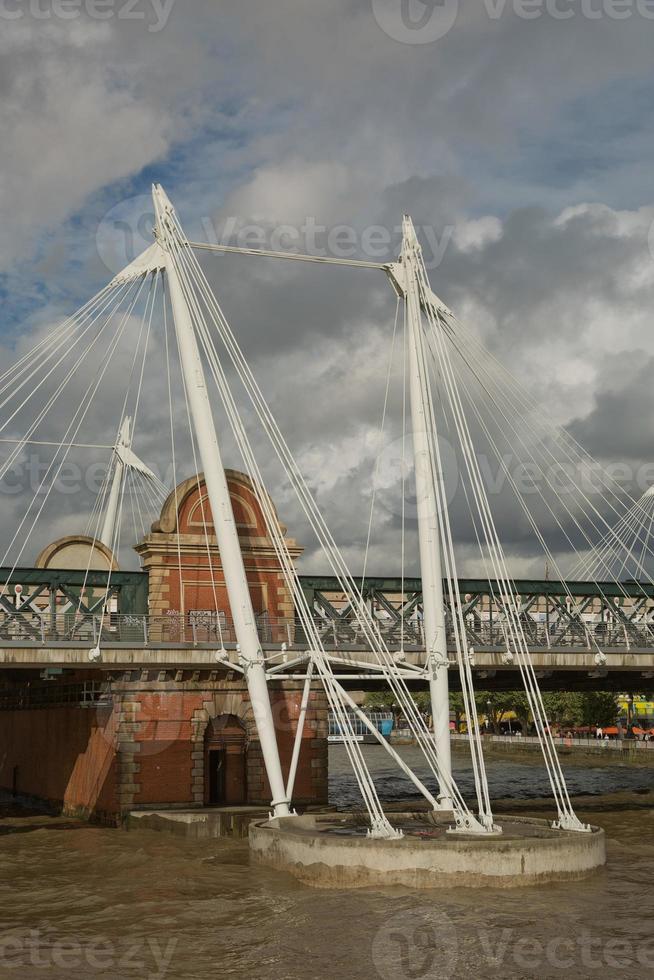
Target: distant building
<point x="100" y="743"/>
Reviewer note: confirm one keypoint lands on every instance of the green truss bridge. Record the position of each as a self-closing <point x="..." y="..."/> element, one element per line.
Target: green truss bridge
<point x="586" y="634"/>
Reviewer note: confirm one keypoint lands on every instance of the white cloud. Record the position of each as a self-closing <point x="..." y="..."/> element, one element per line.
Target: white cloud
<point x="280" y="112"/>
<point x="471" y="235"/>
<point x="292" y="191"/>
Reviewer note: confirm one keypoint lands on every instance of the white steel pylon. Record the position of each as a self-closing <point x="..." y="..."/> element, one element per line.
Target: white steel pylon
<point x="124" y="459"/>
<point x="432" y="337"/>
<point x="426" y="471"/>
<point x="240" y="601"/>
<point x="109" y="525"/>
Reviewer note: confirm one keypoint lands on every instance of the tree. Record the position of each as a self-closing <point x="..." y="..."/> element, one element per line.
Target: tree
<point x="571" y="708"/>
<point x="520" y="704"/>
<point x="422" y="701"/>
<point x="563" y="707"/>
<point x="379" y="700"/>
<point x="598" y="708"/>
<point x="496" y="704"/>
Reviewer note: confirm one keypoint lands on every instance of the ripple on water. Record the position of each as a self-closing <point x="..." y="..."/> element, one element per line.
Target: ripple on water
<point x="225" y="917"/>
<point x="507" y="779"/>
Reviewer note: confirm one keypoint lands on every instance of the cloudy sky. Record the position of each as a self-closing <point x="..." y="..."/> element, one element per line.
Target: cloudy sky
<point x="519" y="137"/>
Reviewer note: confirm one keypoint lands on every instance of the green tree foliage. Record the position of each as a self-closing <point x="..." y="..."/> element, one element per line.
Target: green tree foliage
<point x="379" y="700"/>
<point x="457" y="707"/>
<point x="495" y="705"/>
<point x="599" y="708"/>
<point x="563" y="708"/>
<point x="581" y="707"/>
<point x="383" y="700"/>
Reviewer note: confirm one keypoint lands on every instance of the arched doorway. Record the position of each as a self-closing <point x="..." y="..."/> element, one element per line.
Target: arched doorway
<point x="224" y="762"/>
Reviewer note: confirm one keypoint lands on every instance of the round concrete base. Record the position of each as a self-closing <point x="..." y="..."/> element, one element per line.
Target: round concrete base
<point x="333" y="851"/>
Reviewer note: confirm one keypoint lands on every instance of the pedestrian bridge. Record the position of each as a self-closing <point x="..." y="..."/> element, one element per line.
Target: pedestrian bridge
<point x="606" y="631"/>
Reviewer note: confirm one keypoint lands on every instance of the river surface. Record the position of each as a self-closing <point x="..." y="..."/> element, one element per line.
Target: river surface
<point x="521" y="778"/>
<point x="81" y="901"/>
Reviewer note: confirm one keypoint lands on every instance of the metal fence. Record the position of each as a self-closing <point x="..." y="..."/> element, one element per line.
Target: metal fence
<point x="568" y="741"/>
<point x="26" y="627"/>
<point x="382" y="720"/>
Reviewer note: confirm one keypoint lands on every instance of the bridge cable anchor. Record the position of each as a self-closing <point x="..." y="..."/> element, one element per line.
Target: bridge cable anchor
<point x="571" y="822"/>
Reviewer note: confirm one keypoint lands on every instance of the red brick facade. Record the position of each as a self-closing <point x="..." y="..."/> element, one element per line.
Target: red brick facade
<point x="65" y="755"/>
<point x="148" y="747"/>
<point x="182" y="559"/>
<point x="171" y="738"/>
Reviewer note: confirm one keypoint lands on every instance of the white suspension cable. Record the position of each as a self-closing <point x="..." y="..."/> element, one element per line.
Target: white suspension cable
<point x="282" y="450"/>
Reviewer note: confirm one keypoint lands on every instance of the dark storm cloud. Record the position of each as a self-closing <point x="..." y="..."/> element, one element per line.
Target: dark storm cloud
<point x="621" y="422"/>
<point x="495" y="138"/>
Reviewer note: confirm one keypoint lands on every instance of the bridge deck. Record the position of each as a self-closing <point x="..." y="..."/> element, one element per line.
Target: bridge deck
<point x="577" y="668"/>
<point x="583" y="630"/>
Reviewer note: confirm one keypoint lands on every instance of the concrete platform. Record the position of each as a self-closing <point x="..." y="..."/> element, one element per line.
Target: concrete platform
<point x="208" y="822"/>
<point x="333" y="851"/>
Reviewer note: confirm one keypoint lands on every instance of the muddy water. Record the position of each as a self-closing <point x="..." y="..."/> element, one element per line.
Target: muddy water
<point x="521" y="778"/>
<point x="78" y="901"/>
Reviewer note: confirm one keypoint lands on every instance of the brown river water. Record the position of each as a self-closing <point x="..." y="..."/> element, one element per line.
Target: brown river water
<point x="82" y="901"/>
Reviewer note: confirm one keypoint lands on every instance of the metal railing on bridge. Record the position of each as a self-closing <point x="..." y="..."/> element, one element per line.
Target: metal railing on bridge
<point x="198" y="628"/>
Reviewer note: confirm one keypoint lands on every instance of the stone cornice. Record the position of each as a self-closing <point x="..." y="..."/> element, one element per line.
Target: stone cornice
<point x="195" y="546"/>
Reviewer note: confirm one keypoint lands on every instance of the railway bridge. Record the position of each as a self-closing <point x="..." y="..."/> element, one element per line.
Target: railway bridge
<point x="45" y="626"/>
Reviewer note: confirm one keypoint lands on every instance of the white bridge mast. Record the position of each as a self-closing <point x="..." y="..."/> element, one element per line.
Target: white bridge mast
<point x="427" y="508"/>
<point x="125" y="460"/>
<point x="229" y="545"/>
<point x="109" y="525"/>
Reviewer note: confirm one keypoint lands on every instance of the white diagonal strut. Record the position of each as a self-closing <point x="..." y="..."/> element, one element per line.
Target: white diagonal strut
<point x="221" y="508"/>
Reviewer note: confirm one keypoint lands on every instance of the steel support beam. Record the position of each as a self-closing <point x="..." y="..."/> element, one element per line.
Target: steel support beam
<point x="221" y="508"/>
<point x="111" y="515"/>
<point x="427" y="508"/>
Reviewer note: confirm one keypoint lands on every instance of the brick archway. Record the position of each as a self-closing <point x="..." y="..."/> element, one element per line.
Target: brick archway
<point x="233" y="705"/>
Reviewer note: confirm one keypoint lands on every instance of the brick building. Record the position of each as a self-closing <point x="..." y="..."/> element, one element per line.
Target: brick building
<point x="99" y="744"/>
<point x="182" y="559"/>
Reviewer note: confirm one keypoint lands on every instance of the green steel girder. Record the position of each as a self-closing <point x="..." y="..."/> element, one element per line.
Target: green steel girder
<point x="130" y="588"/>
<point x="544" y="587"/>
<point x="628" y="603"/>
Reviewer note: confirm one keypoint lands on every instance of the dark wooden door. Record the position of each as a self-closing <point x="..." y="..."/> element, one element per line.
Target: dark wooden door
<point x="225" y="781"/>
<point x="216" y="776"/>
